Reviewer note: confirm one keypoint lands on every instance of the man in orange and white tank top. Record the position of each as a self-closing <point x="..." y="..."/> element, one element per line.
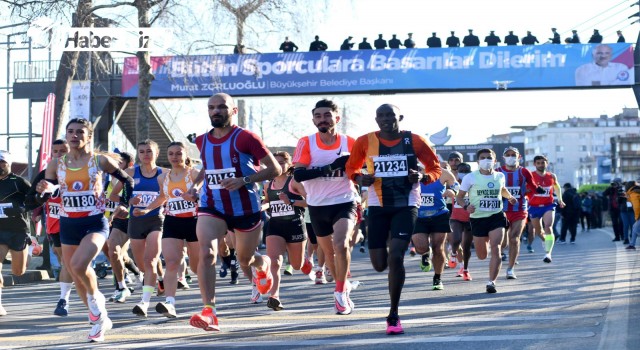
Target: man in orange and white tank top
<point x="541" y="204"/>
<point x="319" y="163"/>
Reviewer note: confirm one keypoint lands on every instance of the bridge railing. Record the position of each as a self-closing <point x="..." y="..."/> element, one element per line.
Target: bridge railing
<point x="44" y="71"/>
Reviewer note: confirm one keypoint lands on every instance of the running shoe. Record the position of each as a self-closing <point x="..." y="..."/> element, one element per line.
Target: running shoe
<point x="183" y="284"/>
<point x="347" y="289"/>
<point x="99" y="329"/>
<point x="491" y="287"/>
<point x="140" y="309"/>
<point x="275" y="304"/>
<point x="62" y="309"/>
<point x="453" y="262"/>
<point x="127" y="279"/>
<point x="264" y="279"/>
<point x="412" y="251"/>
<point x="341" y="303"/>
<point x="530" y="248"/>
<point x="425" y="263"/>
<point x="167" y="309"/>
<point x="504" y="257"/>
<point x="187" y="277"/>
<point x="626" y="241"/>
<point x="99" y="304"/>
<point x="562" y="241"/>
<point x="437" y="284"/>
<point x="573" y="241"/>
<point x="466" y="276"/>
<point x="307" y="267"/>
<point x="256" y="297"/>
<point x="328" y="276"/>
<point x="3" y="312"/>
<point x="223" y="270"/>
<point x="113" y="296"/>
<point x="320" y="279"/>
<point x="206" y="320"/>
<point x="288" y="270"/>
<point x="361" y="249"/>
<point x="547" y="258"/>
<point x="234" y="277"/>
<point x="122" y="295"/>
<point x="394" y="327"/>
<point x="628" y="248"/>
<point x="160" y="288"/>
<point x="460" y="272"/>
<point x="511" y="275"/>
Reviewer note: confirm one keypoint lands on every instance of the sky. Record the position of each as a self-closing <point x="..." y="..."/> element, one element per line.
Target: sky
<point x="470" y="116"/>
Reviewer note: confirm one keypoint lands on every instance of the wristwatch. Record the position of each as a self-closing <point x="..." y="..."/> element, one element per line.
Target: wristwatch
<point x="246" y="180"/>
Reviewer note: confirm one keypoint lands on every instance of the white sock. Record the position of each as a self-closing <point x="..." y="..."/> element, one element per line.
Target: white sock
<point x="146" y="293"/>
<point x="171" y="300"/>
<point x="122" y="285"/>
<point x="65" y="290"/>
<point x="93" y="304"/>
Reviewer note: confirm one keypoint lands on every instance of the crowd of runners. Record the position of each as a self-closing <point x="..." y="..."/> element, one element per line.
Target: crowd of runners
<point x="334" y="191"/>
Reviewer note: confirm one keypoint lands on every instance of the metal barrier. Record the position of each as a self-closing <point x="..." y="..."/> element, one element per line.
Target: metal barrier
<point x="40" y="71"/>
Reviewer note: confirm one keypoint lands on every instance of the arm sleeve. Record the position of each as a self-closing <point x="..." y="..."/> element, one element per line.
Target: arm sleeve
<point x="128" y="183"/>
<point x="302" y="174"/>
<point x="357" y="157"/>
<point x="428" y="158"/>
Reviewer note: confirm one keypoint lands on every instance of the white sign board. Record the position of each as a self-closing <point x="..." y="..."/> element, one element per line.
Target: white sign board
<point x="80" y="100"/>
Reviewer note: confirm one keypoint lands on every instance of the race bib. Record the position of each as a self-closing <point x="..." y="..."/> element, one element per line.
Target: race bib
<point x="215" y="177"/>
<point x="515" y="191"/>
<point x="146" y="197"/>
<point x="278" y="208"/>
<point x="427" y="200"/>
<point x="177" y="206"/>
<point x="78" y="202"/>
<point x="393" y="166"/>
<point x="489" y="204"/>
<point x="547" y="192"/>
<point x="110" y="206"/>
<point x="3" y="206"/>
<point x="54" y="211"/>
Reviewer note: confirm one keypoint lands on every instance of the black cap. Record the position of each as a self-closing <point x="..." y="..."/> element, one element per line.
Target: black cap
<point x="464" y="168"/>
<point x="455" y="154"/>
<point x="566" y="185"/>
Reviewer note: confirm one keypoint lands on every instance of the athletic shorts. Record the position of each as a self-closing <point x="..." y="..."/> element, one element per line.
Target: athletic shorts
<point x="17" y="241"/>
<point x="458" y="226"/>
<point x="310" y="233"/>
<point x="396" y="222"/>
<point x="120" y="224"/>
<point x="434" y="224"/>
<point x="54" y="239"/>
<point x="481" y="227"/>
<point x="513" y="216"/>
<point x="140" y="227"/>
<point x="324" y="217"/>
<point x="244" y="223"/>
<point x="293" y="231"/>
<point x="180" y="228"/>
<point x="538" y="212"/>
<point x="73" y="230"/>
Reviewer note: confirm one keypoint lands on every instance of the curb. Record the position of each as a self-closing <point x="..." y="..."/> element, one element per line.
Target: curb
<point x="30" y="276"/>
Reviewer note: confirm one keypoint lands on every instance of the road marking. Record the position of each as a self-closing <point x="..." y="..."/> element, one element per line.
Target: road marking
<point x="31" y="338"/>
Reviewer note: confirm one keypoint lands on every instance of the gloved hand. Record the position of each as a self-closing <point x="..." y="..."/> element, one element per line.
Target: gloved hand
<point x="339" y="163"/>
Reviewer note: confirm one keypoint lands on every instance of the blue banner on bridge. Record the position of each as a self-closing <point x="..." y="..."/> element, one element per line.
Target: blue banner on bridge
<point x="379" y="71"/>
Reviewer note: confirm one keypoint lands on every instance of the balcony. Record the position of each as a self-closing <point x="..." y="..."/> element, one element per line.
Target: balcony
<point x="45" y="71"/>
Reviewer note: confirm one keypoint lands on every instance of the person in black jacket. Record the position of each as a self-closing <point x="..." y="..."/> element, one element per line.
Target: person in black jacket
<point x="511" y="39"/>
<point x="380" y="43"/>
<point x="615" y="199"/>
<point x="570" y="213"/>
<point x="318" y="45"/>
<point x="453" y="41"/>
<point x="471" y="40"/>
<point x="434" y="41"/>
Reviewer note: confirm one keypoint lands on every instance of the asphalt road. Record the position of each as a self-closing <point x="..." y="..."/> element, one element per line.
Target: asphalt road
<point x="588" y="298"/>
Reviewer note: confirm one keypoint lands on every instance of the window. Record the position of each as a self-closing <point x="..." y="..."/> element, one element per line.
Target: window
<point x="560" y="161"/>
<point x="583" y="148"/>
<point x="559" y="148"/>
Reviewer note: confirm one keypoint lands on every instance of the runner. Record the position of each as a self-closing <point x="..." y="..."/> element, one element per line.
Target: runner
<point x="180" y="223"/>
<point x="287" y="231"/>
<point x="541" y="205"/>
<point x="146" y="231"/>
<point x="230" y="199"/>
<point x="14" y="227"/>
<point x="486" y="189"/>
<point x="83" y="227"/>
<point x="461" y="229"/>
<point x="331" y="197"/>
<point x="519" y="182"/>
<point x="432" y="225"/>
<point x="391" y="157"/>
<point x="52" y="220"/>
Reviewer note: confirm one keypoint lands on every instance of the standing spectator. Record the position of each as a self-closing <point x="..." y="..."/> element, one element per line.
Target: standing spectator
<point x="239" y="49"/>
<point x="575" y="39"/>
<point x="633" y="195"/>
<point x="453" y="41"/>
<point x="511" y="39"/>
<point x="529" y="39"/>
<point x="556" y="36"/>
<point x="380" y="43"/>
<point x="570" y="213"/>
<point x="394" y="43"/>
<point x="409" y="43"/>
<point x="318" y="45"/>
<point x="471" y="40"/>
<point x="347" y="44"/>
<point x="364" y="45"/>
<point x="434" y="41"/>
<point x="626" y="214"/>
<point x="596" y="38"/>
<point x="620" y="37"/>
<point x="613" y="194"/>
<point x="492" y="39"/>
<point x="596" y="210"/>
<point x="585" y="212"/>
<point x="288" y="46"/>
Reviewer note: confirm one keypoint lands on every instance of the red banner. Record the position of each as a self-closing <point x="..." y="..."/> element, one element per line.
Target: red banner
<point x="47" y="131"/>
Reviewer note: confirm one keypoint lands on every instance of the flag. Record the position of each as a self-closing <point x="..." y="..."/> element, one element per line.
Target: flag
<point x="47" y="131"/>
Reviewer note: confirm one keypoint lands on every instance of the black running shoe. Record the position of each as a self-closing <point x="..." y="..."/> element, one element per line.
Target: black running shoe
<point x="275" y="304"/>
<point x="491" y="288"/>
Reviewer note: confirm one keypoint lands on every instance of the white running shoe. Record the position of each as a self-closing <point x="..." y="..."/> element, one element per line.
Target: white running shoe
<point x="141" y="309"/>
<point x="256" y="297"/>
<point x="341" y="303"/>
<point x="122" y="295"/>
<point x="328" y="276"/>
<point x="99" y="329"/>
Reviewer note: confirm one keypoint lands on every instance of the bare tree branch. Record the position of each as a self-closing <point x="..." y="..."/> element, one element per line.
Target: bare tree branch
<point x="100" y="7"/>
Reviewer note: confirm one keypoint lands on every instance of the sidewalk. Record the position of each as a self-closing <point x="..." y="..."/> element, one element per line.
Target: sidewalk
<point x="30" y="276"/>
